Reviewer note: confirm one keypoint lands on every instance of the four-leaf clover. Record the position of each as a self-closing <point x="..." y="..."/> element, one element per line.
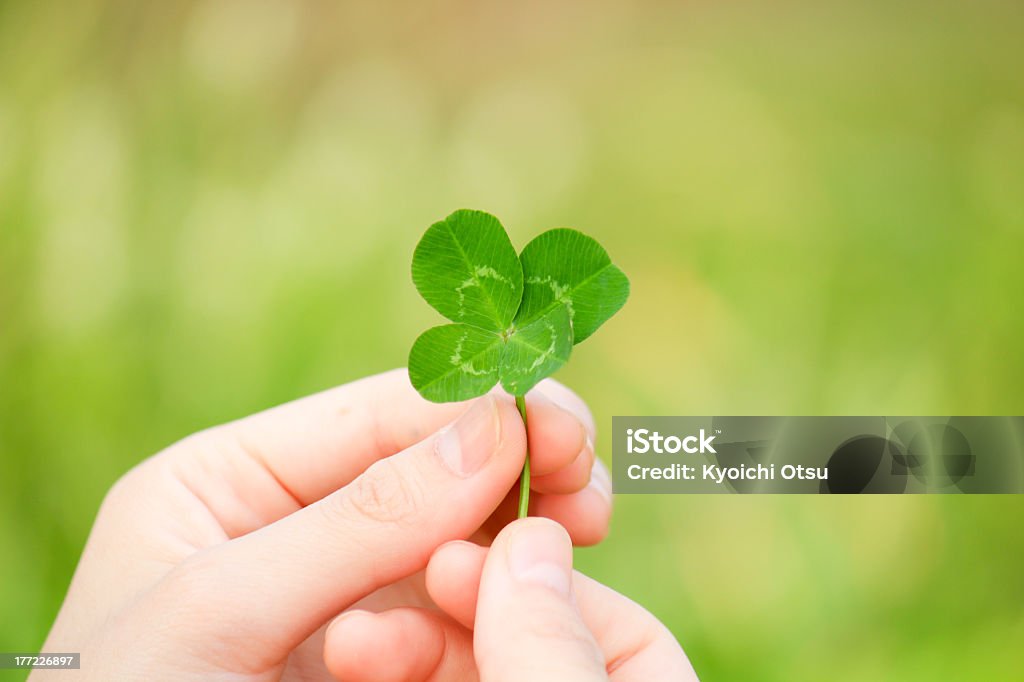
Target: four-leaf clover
<point x="514" y="318"/>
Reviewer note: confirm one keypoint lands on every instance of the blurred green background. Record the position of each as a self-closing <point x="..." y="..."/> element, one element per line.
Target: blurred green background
<point x="207" y="208"/>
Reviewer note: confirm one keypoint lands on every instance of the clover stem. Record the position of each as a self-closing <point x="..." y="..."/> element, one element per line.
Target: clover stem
<point x="524" y="480"/>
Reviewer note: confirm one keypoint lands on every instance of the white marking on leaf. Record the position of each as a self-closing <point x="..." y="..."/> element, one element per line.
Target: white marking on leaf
<point x="456" y="358"/>
<point x="491" y="273"/>
<point x="466" y="367"/>
<point x="471" y="282"/>
<point x="558" y="290"/>
<point x="480" y="271"/>
<point x="547" y="353"/>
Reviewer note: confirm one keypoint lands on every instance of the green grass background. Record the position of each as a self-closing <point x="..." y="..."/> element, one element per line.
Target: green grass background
<point x="209" y="208"/>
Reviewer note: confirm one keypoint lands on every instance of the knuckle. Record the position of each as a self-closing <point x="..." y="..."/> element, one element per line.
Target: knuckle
<point x="124" y="496"/>
<point x="384" y="493"/>
<point x="122" y="490"/>
<point x="152" y="474"/>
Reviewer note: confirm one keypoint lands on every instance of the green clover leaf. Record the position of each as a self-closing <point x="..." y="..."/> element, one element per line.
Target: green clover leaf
<point x="454" y="362"/>
<point x="535" y="350"/>
<point x="515" y="318"/>
<point x="567" y="268"/>
<point x="466" y="268"/>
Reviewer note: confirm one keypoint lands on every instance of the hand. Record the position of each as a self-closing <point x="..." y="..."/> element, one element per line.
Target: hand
<point x="513" y="612"/>
<point x="224" y="556"/>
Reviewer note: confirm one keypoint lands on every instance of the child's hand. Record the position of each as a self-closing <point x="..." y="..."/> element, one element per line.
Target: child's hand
<point x="224" y="556"/>
<point x="513" y="612"/>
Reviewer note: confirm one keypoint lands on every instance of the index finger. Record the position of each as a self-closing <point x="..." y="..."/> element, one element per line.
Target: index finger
<point x="320" y="443"/>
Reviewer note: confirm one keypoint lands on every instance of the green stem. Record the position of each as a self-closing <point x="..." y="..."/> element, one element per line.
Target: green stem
<point x="524" y="480"/>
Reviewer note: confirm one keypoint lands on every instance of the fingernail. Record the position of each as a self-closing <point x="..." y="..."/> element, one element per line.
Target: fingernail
<point x="600" y="480"/>
<point x="540" y="553"/>
<point x="466" y="445"/>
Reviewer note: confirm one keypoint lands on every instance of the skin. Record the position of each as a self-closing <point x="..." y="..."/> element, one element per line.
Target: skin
<point x="227" y="555"/>
<point x="516" y="611"/>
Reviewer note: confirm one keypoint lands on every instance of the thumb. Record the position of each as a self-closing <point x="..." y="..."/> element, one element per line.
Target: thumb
<point x="267" y="591"/>
<point x="528" y="626"/>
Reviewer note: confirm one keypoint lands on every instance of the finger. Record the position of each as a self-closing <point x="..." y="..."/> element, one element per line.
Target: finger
<point x="635" y="645"/>
<point x="562" y="395"/>
<point x="557" y="434"/>
<point x="398" y="645"/>
<point x="380" y="415"/>
<point x="297" y="453"/>
<point x="453" y="579"/>
<point x="569" y="478"/>
<point x="585" y="514"/>
<point x="316" y="562"/>
<point x="527" y="624"/>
